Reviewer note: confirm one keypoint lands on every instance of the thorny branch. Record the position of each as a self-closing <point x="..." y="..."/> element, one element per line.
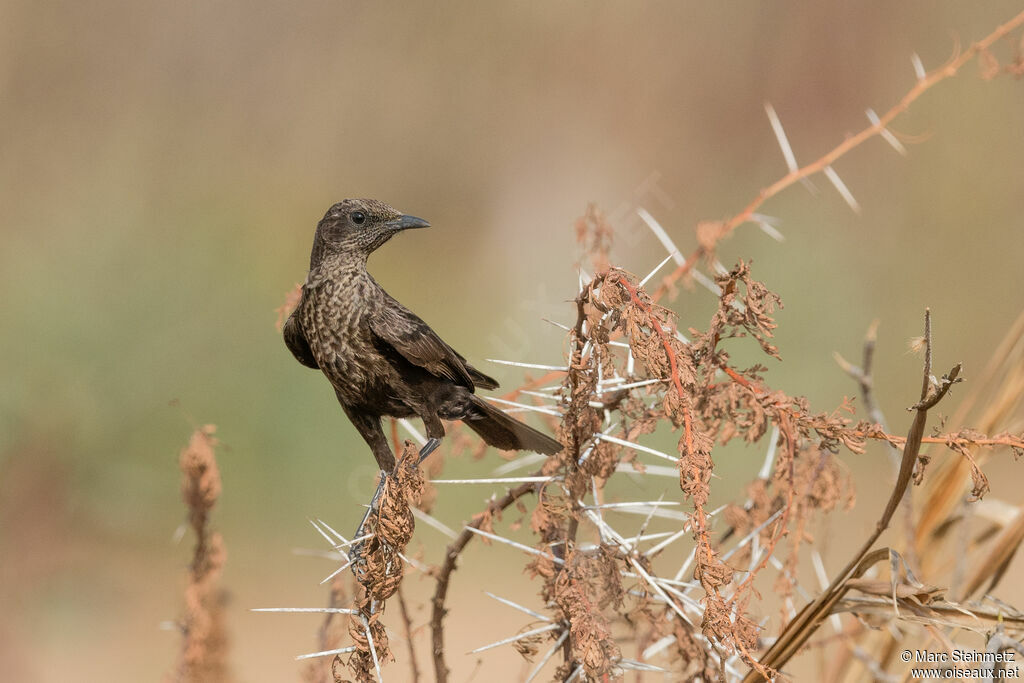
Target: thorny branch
<point x="709" y="233"/>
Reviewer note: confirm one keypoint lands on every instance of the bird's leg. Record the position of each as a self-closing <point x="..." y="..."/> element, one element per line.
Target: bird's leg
<point x="429" y="447"/>
<point x="369" y="428"/>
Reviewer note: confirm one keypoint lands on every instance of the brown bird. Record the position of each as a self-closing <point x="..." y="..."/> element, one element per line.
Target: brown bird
<point x="379" y="356"/>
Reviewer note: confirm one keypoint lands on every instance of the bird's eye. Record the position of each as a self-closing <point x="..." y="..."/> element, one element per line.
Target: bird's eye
<point x="358" y="217"/>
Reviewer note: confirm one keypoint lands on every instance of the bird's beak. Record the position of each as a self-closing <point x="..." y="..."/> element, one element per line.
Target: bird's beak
<point x="406" y="223"/>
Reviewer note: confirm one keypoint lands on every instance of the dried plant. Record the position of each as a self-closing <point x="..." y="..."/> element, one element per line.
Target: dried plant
<point x="204" y="650"/>
<point x="688" y="600"/>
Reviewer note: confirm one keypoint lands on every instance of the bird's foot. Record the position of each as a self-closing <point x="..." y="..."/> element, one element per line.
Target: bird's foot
<point x="429" y="447"/>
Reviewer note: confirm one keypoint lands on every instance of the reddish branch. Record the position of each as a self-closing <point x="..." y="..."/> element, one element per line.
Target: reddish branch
<point x="722" y="229"/>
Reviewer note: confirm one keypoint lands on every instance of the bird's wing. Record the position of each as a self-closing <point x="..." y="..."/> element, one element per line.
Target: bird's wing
<point x="295" y="340"/>
<point x="404" y="331"/>
<point x="481" y="380"/>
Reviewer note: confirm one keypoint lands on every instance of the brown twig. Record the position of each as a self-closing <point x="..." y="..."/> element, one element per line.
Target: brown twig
<point x="407" y="624"/>
<point x="444" y="573"/>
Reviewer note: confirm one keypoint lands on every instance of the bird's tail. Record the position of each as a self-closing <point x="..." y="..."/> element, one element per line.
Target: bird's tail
<point x="505" y="432"/>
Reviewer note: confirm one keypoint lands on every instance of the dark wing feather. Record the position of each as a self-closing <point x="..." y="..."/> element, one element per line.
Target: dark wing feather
<point x="295" y="340"/>
<point x="404" y="331"/>
<point x="481" y="380"/>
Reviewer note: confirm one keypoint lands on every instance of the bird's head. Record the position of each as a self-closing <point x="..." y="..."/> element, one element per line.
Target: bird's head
<point x="357" y="227"/>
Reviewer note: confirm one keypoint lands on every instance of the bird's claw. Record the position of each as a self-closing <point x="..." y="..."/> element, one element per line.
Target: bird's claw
<point x="429" y="447"/>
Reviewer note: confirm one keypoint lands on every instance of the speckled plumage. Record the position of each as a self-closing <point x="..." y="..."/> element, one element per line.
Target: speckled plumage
<point x="379" y="356"/>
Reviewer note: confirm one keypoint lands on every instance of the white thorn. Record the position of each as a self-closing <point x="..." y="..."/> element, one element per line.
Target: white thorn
<point x="662" y="236"/>
<point x="886" y="133"/>
<point x="527" y="634"/>
<point x="668" y="541"/>
<point x="515" y="605"/>
<point x="552" y="651"/>
<point x="364" y="537"/>
<point x="337" y="571"/>
<point x="434" y="522"/>
<point x="631" y="385"/>
<point x="780" y="137"/>
<point x="918" y="67"/>
<point x="822" y="575"/>
<point x="520" y="462"/>
<point x="654" y="512"/>
<point x="325" y="525"/>
<point x="767" y="225"/>
<point x="688" y="585"/>
<point x="523" y="406"/>
<point x="373" y="650"/>
<point x="844" y="191"/>
<point x="651" y="504"/>
<point x="514" y="544"/>
<point x="769" y="457"/>
<point x="640" y="666"/>
<point x="332" y="555"/>
<point x="412" y="430"/>
<point x="328" y="653"/>
<point x="658" y="646"/>
<point x="419" y="566"/>
<point x="753" y="532"/>
<point x="686" y="564"/>
<point x="304" y="610"/>
<point x="495" y="480"/>
<point x="316" y="525"/>
<point x="674" y="252"/>
<point x="534" y="366"/>
<point x="541" y="394"/>
<point x="656" y="269"/>
<point x="635" y="446"/>
<point x="593" y="489"/>
<point x="559" y="325"/>
<point x="653" y="470"/>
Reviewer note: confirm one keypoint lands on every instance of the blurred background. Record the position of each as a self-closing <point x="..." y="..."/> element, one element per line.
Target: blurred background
<point x="163" y="167"/>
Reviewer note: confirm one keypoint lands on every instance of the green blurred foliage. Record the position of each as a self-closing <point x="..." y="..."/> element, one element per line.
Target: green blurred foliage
<point x="163" y="167"/>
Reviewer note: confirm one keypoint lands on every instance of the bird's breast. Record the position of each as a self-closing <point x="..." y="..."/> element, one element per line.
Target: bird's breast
<point x="335" y="317"/>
